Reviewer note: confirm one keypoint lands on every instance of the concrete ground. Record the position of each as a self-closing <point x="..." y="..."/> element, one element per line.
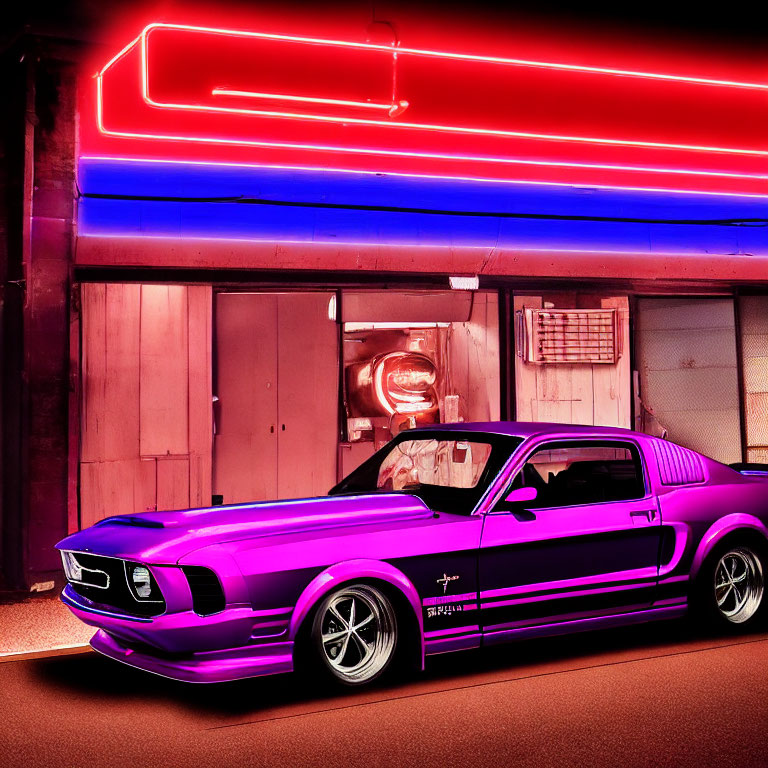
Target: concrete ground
<point x="39" y="623"/>
<point x="655" y="695"/>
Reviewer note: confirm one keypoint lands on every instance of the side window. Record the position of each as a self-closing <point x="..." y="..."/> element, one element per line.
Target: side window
<point x="568" y="474"/>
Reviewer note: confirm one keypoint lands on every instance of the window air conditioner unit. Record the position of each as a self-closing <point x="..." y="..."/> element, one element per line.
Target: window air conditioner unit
<point x="562" y="336"/>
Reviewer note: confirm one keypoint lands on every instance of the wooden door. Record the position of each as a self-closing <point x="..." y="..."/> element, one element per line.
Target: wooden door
<point x="308" y="370"/>
<point x="245" y="445"/>
<point x="146" y="399"/>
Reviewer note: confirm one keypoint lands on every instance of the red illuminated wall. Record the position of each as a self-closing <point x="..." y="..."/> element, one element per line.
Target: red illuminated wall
<point x="464" y="108"/>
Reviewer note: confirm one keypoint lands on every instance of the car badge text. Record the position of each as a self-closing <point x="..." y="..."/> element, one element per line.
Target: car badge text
<point x="444" y="581"/>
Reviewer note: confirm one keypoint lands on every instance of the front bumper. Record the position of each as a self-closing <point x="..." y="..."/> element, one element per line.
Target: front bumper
<point x="205" y="667"/>
<point x="233" y="644"/>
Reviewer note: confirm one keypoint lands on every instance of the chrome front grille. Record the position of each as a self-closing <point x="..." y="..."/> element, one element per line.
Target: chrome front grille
<point x="103" y="581"/>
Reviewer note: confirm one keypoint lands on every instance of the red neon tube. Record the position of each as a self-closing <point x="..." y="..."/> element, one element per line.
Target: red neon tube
<point x="290" y="100"/>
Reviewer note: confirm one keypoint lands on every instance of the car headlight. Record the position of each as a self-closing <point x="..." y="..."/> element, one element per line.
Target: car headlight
<point x="141" y="583"/>
<point x="72" y="569"/>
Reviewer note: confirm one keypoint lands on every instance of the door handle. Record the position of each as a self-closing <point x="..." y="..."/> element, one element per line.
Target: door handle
<point x="648" y="514"/>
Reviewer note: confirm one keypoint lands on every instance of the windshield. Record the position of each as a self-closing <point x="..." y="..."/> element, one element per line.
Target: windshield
<point x="449" y="471"/>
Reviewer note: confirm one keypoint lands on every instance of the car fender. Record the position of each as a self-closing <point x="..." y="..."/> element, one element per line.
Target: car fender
<point x="719" y="530"/>
<point x="350" y="570"/>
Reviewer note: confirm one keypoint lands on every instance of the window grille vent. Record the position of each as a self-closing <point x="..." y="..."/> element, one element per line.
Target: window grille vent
<point x="207" y="594"/>
<point x="547" y="336"/>
<point x="677" y="465"/>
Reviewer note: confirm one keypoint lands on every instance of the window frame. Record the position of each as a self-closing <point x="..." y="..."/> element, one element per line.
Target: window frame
<point x="584" y="442"/>
<point x="507" y="443"/>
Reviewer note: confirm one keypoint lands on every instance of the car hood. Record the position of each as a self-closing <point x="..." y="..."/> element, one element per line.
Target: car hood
<point x="166" y="537"/>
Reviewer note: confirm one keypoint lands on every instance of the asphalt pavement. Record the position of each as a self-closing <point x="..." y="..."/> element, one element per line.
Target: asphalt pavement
<point x="656" y="695"/>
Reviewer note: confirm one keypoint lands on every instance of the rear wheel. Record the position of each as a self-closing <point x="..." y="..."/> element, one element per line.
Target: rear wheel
<point x="354" y="634"/>
<point x="732" y="586"/>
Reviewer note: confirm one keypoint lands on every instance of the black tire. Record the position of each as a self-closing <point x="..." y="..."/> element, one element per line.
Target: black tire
<point x="730" y="592"/>
<point x="352" y="639"/>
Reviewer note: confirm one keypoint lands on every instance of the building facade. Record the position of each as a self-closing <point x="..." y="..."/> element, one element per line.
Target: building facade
<point x="239" y="260"/>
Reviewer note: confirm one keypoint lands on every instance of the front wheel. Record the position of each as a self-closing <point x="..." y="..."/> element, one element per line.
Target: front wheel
<point x="354" y="634"/>
<point x="732" y="586"/>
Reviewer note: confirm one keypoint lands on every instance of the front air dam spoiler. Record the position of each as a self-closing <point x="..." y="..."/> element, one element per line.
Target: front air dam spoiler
<point x="207" y="667"/>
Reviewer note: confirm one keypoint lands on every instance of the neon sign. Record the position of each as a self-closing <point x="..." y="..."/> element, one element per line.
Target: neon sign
<point x="217" y="95"/>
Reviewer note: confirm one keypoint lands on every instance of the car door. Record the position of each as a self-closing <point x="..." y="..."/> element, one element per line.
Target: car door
<point x="587" y="546"/>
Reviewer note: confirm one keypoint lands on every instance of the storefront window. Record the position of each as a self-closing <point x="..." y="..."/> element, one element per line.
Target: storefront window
<point x="439" y="366"/>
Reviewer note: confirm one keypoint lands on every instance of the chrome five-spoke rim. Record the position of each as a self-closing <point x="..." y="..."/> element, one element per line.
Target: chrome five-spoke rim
<point x="738" y="585"/>
<point x="357" y="633"/>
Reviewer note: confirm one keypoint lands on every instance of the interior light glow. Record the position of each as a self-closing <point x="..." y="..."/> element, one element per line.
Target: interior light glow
<point x="378" y="386"/>
<point x="354" y="327"/>
<point x="460" y="283"/>
<point x="417" y="407"/>
<point x="404" y="382"/>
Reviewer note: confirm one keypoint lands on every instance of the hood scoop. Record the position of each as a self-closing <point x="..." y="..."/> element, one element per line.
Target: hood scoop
<point x="137" y="522"/>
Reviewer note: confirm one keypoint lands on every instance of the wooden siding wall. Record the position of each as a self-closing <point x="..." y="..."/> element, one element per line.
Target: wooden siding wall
<point x="576" y="394"/>
<point x="473" y="355"/>
<point x="753" y="312"/>
<point x="146" y="410"/>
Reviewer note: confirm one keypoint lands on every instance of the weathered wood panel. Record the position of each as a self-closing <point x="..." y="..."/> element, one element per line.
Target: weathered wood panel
<point x="74" y="410"/>
<point x="245" y="445"/>
<point x="146" y="392"/>
<point x="199" y="307"/>
<point x="172" y="483"/>
<point x="473" y="360"/>
<point x="526" y="387"/>
<point x="110" y="371"/>
<point x="308" y="377"/>
<point x="598" y="394"/>
<point x="583" y="395"/>
<point x="116" y="488"/>
<point x="553" y="391"/>
<point x="612" y="384"/>
<point x="164" y="371"/>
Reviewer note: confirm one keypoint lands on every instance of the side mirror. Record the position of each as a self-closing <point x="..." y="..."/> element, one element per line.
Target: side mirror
<point x="514" y="501"/>
<point x="521" y="495"/>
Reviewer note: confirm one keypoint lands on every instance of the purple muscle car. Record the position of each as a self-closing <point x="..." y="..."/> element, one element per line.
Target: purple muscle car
<point x="449" y="537"/>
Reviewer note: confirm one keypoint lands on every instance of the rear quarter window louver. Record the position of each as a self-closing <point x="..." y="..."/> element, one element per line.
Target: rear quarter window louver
<point x="677" y="465"/>
<point x="207" y="594"/>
